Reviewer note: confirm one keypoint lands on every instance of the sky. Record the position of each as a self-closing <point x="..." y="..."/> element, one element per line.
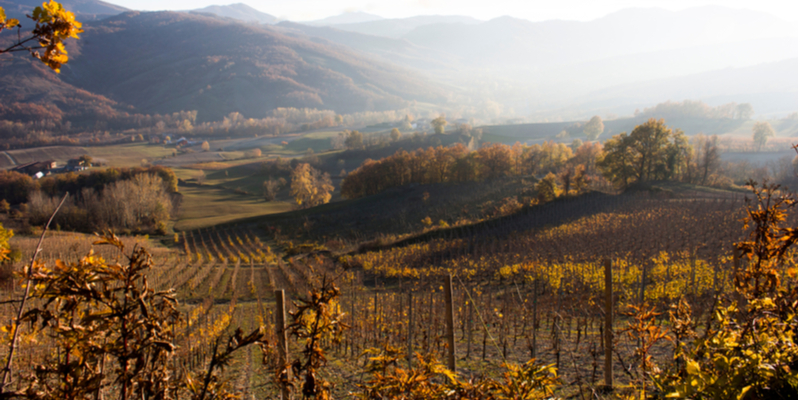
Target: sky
<point x="533" y="10"/>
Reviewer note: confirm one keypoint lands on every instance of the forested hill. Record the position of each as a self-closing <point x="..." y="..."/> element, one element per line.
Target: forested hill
<point x="164" y="62"/>
<point x="31" y="93"/>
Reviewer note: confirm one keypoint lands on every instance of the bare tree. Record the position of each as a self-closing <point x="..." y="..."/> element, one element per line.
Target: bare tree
<point x="271" y="188"/>
<point x="710" y="154"/>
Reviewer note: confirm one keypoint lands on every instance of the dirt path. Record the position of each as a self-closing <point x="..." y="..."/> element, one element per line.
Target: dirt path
<point x="13" y="162"/>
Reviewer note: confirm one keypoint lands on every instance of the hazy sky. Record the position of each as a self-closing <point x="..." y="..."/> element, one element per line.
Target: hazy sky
<point x="582" y="10"/>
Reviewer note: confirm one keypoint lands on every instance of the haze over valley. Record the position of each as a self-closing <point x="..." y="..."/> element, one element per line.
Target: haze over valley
<point x="235" y="58"/>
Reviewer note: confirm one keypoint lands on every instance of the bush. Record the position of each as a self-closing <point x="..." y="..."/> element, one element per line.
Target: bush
<point x="749" y="349"/>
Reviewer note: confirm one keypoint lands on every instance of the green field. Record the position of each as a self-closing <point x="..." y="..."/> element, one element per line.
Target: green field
<point x="128" y="155"/>
<point x="205" y="206"/>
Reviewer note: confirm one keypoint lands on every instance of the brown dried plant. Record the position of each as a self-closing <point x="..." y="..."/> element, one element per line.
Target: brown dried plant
<point x="643" y="328"/>
<point x="111" y="334"/>
<point x="316" y="321"/>
<point x="110" y="329"/>
<point x="428" y="379"/>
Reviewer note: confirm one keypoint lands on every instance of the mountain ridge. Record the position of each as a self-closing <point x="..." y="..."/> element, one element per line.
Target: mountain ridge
<point x="239" y="11"/>
<point x="397" y="27"/>
<point x="344" y="18"/>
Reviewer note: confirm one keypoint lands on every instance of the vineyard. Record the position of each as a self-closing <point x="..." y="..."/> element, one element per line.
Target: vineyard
<point x="528" y="285"/>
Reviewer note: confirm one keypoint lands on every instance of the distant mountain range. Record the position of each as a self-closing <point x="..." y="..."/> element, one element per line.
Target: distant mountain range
<point x="531" y="66"/>
<point x="399" y="27"/>
<point x="167" y="61"/>
<point x="346" y="18"/>
<point x="208" y="60"/>
<point x="395" y="51"/>
<point x="239" y="11"/>
<point x="769" y="87"/>
<point x="508" y="41"/>
<point x="163" y="62"/>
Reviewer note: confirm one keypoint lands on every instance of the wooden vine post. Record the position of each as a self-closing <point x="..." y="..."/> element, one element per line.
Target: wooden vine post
<point x="280" y="331"/>
<point x="737" y="265"/>
<point x="643" y="283"/>
<point x="470" y="305"/>
<point x="451" y="339"/>
<point x="609" y="378"/>
<point x="535" y="318"/>
<point x="693" y="272"/>
<point x="409" y="339"/>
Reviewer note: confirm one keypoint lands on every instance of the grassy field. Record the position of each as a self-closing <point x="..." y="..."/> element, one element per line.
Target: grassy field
<point x="205" y="206"/>
<point x="317" y="141"/>
<point x="128" y="155"/>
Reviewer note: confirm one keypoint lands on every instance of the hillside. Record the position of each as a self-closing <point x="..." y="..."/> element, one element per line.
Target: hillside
<point x="220" y="66"/>
<point x="31" y="92"/>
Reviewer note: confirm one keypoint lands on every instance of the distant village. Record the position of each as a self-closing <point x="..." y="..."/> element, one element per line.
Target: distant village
<point x="39" y="169"/>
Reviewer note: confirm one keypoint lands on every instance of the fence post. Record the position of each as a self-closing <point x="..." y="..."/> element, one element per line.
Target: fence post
<point x="353" y="314"/>
<point x="409" y="340"/>
<point x="643" y="282"/>
<point x="736" y="269"/>
<point x="470" y="305"/>
<point x="535" y="317"/>
<point x="694" y="281"/>
<point x="451" y="340"/>
<point x="280" y="330"/>
<point x="609" y="378"/>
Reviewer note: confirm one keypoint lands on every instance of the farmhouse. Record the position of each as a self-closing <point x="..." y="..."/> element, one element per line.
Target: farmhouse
<point x="36" y="169"/>
<point x="75" y="165"/>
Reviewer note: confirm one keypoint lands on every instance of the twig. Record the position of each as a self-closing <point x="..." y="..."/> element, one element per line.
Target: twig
<point x="13" y="345"/>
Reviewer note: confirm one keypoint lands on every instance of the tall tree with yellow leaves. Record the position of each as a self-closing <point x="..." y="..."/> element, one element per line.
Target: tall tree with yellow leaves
<point x="310" y="187"/>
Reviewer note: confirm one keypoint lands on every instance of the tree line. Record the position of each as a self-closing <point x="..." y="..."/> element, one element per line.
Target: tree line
<point x="124" y="199"/>
<point x="29" y="125"/>
<point x="697" y="109"/>
<point x="458" y="164"/>
<point x="652" y="151"/>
